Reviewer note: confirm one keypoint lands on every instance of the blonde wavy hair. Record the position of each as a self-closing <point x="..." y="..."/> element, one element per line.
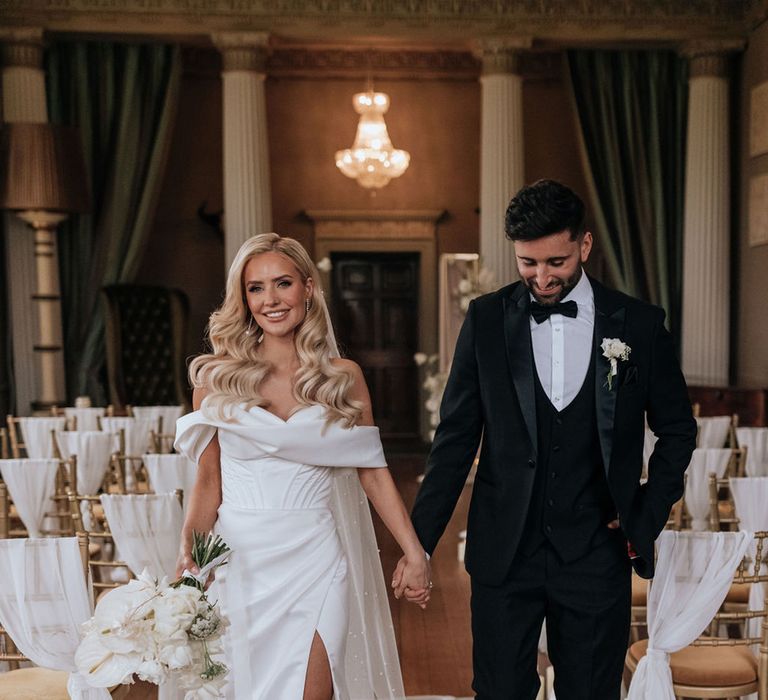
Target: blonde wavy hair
<point x="233" y="372"/>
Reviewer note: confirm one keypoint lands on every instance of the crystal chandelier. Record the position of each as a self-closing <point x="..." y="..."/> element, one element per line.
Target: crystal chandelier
<point x="372" y="161"/>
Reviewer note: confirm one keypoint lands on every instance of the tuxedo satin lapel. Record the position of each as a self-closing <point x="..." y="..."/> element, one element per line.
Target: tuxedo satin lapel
<point x="517" y="336"/>
<point x="609" y="323"/>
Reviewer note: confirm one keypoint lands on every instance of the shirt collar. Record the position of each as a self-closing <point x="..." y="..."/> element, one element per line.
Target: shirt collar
<point x="582" y="293"/>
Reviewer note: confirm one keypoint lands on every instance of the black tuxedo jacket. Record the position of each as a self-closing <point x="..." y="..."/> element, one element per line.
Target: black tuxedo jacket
<point x="490" y="395"/>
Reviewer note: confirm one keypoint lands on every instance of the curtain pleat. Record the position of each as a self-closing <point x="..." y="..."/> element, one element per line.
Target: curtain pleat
<point x="123" y="98"/>
<point x="631" y="108"/>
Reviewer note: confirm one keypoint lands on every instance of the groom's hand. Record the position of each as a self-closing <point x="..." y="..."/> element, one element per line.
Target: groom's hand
<point x="412" y="580"/>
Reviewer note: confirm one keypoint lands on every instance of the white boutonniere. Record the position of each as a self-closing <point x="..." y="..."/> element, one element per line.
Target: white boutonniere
<point x="615" y="350"/>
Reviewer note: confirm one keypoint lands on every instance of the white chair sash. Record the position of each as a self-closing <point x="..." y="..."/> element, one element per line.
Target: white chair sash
<point x="43" y="601"/>
<point x="170" y="472"/>
<point x="86" y="418"/>
<point x="169" y="414"/>
<point x="693" y="574"/>
<point x="93" y="450"/>
<point x="756" y="442"/>
<point x="31" y="483"/>
<point x="649" y="442"/>
<point x="750" y="497"/>
<point x="704" y="461"/>
<point x="36" y="435"/>
<point x="136" y="432"/>
<point x="713" y="431"/>
<point x="146" y="529"/>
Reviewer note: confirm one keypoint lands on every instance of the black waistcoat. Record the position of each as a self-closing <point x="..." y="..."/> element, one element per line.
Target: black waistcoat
<point x="570" y="502"/>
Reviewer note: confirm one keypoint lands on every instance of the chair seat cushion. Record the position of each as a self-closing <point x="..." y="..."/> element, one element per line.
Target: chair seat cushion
<point x="33" y="684"/>
<point x="738" y="593"/>
<point x="707" y="666"/>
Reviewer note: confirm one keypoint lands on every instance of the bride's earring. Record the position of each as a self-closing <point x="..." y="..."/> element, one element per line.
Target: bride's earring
<point x="248" y="330"/>
<point x="307" y="305"/>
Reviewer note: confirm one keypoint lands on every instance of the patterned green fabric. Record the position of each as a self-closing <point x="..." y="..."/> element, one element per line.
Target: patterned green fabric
<point x="123" y="97"/>
<point x="632" y="111"/>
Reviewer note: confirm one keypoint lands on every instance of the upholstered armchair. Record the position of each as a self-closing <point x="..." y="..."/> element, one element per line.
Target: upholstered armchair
<point x="145" y="331"/>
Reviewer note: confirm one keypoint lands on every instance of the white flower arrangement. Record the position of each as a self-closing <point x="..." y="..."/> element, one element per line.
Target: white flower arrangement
<point x="475" y="282"/>
<point x="158" y="630"/>
<point x="615" y="350"/>
<point x="434" y="385"/>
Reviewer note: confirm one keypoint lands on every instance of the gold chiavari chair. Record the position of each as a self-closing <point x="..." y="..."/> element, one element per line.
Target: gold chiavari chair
<point x="14" y="437"/>
<point x="5" y="452"/>
<point x="106" y="571"/>
<point x="717" y="666"/>
<point x="722" y="513"/>
<point x="37" y="682"/>
<point x="161" y="442"/>
<point x="5" y="512"/>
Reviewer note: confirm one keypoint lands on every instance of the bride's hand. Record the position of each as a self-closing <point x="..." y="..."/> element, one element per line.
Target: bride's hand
<point x="412" y="578"/>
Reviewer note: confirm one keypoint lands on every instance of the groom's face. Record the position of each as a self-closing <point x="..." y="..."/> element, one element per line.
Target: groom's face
<point x="551" y="266"/>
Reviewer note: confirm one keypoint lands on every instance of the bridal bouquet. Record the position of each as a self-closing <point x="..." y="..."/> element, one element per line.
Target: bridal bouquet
<point x="159" y="630"/>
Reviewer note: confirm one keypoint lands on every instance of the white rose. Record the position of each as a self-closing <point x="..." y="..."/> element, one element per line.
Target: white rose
<point x="177" y="655"/>
<point x="325" y="264"/>
<point x="420" y="358"/>
<point x="465" y="286"/>
<point x="175" y="609"/>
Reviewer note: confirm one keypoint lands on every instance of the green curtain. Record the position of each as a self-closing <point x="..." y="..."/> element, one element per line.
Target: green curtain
<point x="123" y="98"/>
<point x="632" y="109"/>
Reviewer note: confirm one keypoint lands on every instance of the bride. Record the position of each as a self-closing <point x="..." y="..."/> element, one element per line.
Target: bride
<point x="280" y="425"/>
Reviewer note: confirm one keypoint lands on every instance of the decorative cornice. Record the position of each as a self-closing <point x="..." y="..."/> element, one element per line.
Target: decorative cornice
<point x="359" y="63"/>
<point x="246" y="51"/>
<point x="366" y="21"/>
<point x="501" y="55"/>
<point x="710" y="58"/>
<point x="22" y="47"/>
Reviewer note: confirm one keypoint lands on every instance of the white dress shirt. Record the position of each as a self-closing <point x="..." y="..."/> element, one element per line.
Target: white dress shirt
<point x="562" y="346"/>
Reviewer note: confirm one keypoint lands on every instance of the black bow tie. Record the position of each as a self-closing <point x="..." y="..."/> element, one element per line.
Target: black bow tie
<point x="541" y="312"/>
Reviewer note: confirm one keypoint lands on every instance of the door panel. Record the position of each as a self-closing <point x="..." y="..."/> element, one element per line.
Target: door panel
<point x="375" y="307"/>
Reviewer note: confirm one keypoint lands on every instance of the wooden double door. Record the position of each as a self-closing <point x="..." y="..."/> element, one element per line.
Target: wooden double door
<point x="376" y="314"/>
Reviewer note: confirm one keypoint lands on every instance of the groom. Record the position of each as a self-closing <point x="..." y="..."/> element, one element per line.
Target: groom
<point x="557" y="499"/>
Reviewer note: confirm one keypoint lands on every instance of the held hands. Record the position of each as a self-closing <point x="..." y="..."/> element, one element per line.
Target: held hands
<point x="412" y="578"/>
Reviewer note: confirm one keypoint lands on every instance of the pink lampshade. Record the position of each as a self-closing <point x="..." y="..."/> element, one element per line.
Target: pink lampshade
<point x="42" y="168"/>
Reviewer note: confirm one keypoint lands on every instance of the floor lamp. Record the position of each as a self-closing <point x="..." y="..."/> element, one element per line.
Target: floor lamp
<point x="43" y="180"/>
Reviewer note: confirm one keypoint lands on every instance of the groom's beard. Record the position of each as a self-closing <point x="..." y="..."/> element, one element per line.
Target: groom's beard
<point x="565" y="286"/>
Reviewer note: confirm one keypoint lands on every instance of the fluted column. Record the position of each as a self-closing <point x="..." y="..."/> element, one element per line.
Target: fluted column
<point x="501" y="152"/>
<point x="706" y="231"/>
<point x="247" y="197"/>
<point x="31" y="257"/>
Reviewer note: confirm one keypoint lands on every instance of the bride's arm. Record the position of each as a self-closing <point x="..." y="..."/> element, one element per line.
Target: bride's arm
<point x="413" y="572"/>
<point x="204" y="499"/>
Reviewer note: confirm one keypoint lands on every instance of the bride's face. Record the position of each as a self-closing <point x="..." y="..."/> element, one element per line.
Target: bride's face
<point x="275" y="293"/>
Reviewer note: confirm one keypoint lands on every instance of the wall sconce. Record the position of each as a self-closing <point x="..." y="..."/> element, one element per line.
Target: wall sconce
<point x="43" y="180"/>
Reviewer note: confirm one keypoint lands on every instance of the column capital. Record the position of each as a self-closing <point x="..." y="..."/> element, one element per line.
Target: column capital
<point x="22" y="47"/>
<point x="245" y="51"/>
<point x="501" y="55"/>
<point x="710" y="57"/>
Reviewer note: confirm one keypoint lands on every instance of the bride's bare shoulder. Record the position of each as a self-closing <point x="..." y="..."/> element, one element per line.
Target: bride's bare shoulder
<point x="198" y="395"/>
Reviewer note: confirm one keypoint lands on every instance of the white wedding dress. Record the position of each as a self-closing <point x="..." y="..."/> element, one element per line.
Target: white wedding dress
<point x="303" y="553"/>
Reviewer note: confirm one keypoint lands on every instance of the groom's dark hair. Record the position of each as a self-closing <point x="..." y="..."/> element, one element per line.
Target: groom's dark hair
<point x="544" y="208"/>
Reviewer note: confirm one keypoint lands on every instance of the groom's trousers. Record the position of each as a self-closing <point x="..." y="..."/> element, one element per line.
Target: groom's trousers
<point x="586" y="604"/>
